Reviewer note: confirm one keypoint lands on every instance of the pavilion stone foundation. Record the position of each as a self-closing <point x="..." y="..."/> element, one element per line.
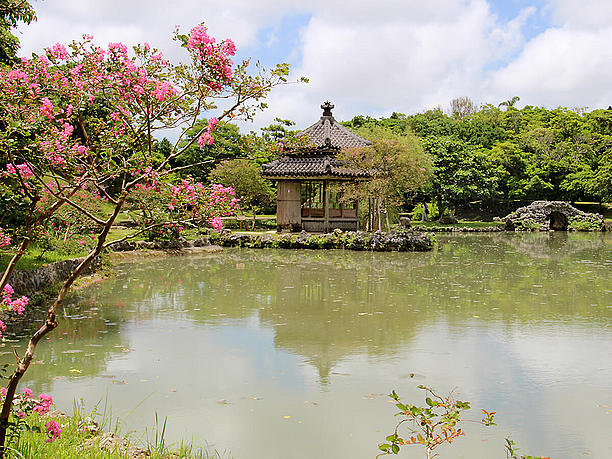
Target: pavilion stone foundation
<point x="553" y="216"/>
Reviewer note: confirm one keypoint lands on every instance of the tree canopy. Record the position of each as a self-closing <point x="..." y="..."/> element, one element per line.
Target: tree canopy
<point x="509" y="153"/>
<point x="12" y="12"/>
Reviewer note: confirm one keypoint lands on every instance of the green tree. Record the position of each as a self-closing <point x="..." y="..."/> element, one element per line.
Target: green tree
<point x="198" y="160"/>
<point x="12" y="12"/>
<point x="398" y="168"/>
<point x="461" y="173"/>
<point x="244" y="176"/>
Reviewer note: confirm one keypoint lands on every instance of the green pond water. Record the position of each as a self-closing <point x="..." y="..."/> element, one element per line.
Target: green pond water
<point x="289" y="354"/>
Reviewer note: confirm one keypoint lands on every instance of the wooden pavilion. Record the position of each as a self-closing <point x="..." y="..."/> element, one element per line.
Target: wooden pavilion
<point x="305" y="200"/>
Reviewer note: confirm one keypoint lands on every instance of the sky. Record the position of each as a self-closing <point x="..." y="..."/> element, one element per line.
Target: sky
<point x="373" y="57"/>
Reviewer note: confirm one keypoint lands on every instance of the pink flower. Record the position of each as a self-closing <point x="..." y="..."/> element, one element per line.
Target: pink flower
<point x="161" y="91"/>
<point x="8" y="290"/>
<point x="47" y="108"/>
<point x="27" y="391"/>
<point x="45" y="402"/>
<point x="205" y="139"/>
<point x="217" y="224"/>
<point x="198" y="37"/>
<point x="53" y="431"/>
<point x="212" y="124"/>
<point x="23" y="169"/>
<point x="5" y="239"/>
<point x="58" y="51"/>
<point x="21" y="414"/>
<point x="228" y="47"/>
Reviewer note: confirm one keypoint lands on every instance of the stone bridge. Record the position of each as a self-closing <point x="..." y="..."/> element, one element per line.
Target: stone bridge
<point x="553" y="215"/>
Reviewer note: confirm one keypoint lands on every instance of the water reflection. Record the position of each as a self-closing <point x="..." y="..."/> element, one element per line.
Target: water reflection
<point x="517" y="322"/>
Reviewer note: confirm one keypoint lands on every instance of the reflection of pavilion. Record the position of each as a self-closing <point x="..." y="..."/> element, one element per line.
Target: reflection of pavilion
<point x="305" y="200"/>
<point x="325" y="313"/>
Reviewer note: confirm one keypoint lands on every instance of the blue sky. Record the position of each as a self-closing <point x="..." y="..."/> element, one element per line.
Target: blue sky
<point x="374" y="58"/>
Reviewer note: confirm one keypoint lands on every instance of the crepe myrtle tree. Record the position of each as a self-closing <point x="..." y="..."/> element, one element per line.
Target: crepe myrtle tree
<point x="84" y="117"/>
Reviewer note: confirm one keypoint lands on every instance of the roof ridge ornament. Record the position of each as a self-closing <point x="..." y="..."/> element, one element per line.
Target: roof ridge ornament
<point x="327" y="107"/>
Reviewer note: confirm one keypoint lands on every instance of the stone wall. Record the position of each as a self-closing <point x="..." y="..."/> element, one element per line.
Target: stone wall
<point x="27" y="282"/>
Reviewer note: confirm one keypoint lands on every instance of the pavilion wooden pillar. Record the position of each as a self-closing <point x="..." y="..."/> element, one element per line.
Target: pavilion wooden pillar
<point x="326" y="205"/>
<point x="288" y="209"/>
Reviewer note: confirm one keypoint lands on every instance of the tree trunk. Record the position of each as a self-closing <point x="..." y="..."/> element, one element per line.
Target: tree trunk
<point x="387" y="220"/>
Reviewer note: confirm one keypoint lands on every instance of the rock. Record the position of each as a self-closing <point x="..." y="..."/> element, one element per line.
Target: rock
<point x="113" y="443"/>
<point x="448" y="220"/>
<point x="405" y="222"/>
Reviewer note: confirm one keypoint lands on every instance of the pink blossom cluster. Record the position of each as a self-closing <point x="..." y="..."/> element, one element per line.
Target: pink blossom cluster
<point x="206" y="204"/>
<point x="205" y="138"/>
<point x="5" y="239"/>
<point x="37" y="92"/>
<point x="187" y="193"/>
<point x="44" y="404"/>
<point x="46" y="108"/>
<point x="53" y="431"/>
<point x="162" y="90"/>
<point x="18" y="305"/>
<point x="199" y="39"/>
<point x="150" y="175"/>
<point x="215" y="57"/>
<point x="25" y="404"/>
<point x="58" y="51"/>
<point x="223" y="195"/>
<point x="217" y="224"/>
<point x="22" y="169"/>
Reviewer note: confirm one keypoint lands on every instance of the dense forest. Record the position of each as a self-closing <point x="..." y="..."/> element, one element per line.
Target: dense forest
<point x="496" y="154"/>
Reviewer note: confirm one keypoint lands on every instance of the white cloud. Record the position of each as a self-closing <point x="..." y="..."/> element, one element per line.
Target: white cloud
<point x="374" y="57"/>
<point x="581" y="13"/>
<point x="562" y="67"/>
<point x="566" y="65"/>
<point x="404" y="57"/>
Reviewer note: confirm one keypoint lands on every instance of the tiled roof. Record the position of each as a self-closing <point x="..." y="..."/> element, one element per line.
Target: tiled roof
<point x="310" y="166"/>
<point x="328" y="128"/>
<point x="326" y="137"/>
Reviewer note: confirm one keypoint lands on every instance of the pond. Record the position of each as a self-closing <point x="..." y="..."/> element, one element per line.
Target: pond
<point x="290" y="354"/>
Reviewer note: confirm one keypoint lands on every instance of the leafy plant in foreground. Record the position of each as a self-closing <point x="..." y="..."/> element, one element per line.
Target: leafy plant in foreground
<point x="431" y="425"/>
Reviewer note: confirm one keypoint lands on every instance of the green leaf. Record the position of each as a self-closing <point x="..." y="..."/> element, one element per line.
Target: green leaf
<point x="395" y="449"/>
<point x="429" y="402"/>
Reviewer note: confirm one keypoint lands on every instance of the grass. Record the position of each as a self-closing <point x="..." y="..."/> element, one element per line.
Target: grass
<point x="76" y="442"/>
<point x="36" y="256"/>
